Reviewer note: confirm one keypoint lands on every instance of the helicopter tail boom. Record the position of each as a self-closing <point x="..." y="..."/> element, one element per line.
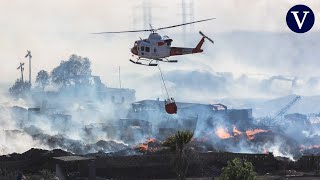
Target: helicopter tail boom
<point x="175" y="51"/>
<point x="198" y="49"/>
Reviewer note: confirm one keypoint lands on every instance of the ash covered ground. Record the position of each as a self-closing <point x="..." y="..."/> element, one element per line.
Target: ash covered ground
<point x="77" y="113"/>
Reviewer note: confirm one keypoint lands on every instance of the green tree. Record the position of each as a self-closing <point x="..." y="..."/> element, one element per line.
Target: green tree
<point x="177" y="144"/>
<point x="238" y="169"/>
<point x="76" y="70"/>
<point x="42" y="79"/>
<point x="20" y="88"/>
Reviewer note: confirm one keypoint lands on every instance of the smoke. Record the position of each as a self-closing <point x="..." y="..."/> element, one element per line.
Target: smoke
<point x="78" y="120"/>
<point x="62" y="118"/>
<point x="11" y="139"/>
<point x="85" y="117"/>
<point x="210" y="86"/>
<point x="50" y="128"/>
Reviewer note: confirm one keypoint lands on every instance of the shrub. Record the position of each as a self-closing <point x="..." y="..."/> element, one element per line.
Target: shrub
<point x="238" y="169"/>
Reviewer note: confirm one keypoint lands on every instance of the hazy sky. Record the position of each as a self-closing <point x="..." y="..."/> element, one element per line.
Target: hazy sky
<point x="55" y="29"/>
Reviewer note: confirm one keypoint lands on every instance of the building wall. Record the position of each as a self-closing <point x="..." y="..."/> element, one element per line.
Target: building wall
<point x="161" y="166"/>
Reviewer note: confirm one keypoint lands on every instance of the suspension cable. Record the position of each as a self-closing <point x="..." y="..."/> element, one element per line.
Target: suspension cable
<point x="163" y="81"/>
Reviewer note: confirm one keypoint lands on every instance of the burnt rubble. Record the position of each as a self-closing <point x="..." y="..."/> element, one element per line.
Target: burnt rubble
<point x="70" y="145"/>
<point x="131" y="145"/>
<point x="230" y="130"/>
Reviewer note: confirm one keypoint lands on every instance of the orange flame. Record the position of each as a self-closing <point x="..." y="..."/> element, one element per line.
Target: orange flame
<point x="310" y="147"/>
<point x="236" y="132"/>
<point x="150" y="140"/>
<point x="250" y="133"/>
<point x="144" y="147"/>
<point x="222" y="133"/>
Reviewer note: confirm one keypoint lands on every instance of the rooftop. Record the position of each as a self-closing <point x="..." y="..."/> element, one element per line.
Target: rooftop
<point x="72" y="158"/>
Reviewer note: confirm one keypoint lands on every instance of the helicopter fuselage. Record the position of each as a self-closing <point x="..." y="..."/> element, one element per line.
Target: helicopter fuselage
<point x="157" y="47"/>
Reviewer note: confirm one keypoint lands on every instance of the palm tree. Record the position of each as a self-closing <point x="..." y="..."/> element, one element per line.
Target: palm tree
<point x="177" y="143"/>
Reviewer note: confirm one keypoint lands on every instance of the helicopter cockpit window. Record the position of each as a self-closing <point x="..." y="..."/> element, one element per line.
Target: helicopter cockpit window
<point x="147" y="49"/>
<point x="165" y="37"/>
<point x="136" y="45"/>
<point x="142" y="48"/>
<point x="155" y="50"/>
<point x="168" y="41"/>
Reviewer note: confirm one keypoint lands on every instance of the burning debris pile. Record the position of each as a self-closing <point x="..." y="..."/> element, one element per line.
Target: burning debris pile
<point x="83" y="116"/>
<point x="310" y="150"/>
<point x="255" y="140"/>
<point x="214" y="131"/>
<point x="223" y="133"/>
<point x="150" y="146"/>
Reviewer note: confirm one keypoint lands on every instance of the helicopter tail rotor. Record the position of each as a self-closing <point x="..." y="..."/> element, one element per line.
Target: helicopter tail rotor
<point x="206" y="37"/>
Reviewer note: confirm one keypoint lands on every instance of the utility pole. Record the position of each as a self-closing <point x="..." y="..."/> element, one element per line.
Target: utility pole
<point x="29" y="55"/>
<point x="21" y="69"/>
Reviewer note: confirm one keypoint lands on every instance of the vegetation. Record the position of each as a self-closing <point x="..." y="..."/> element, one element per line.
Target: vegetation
<point x="238" y="169"/>
<point x="177" y="144"/>
<point x="74" y="71"/>
<point x="20" y="88"/>
<point x="43" y="79"/>
<point x="42" y="175"/>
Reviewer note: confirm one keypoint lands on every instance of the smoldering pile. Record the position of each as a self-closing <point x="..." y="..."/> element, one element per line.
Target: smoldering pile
<point x="61" y="141"/>
<point x="258" y="141"/>
<point x="215" y="130"/>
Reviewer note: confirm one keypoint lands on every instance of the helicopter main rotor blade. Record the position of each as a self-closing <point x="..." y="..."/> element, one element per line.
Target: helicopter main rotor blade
<point x="118" y="32"/>
<point x="153" y="30"/>
<point x="185" y="24"/>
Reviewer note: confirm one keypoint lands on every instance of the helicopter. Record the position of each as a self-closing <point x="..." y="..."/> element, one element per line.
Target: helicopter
<point x="157" y="48"/>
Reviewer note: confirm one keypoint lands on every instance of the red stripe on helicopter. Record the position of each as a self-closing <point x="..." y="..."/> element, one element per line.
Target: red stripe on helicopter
<point x="161" y="43"/>
<point x="175" y="51"/>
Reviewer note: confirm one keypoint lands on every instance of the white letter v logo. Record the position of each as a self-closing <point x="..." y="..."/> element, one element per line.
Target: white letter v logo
<point x="295" y="14"/>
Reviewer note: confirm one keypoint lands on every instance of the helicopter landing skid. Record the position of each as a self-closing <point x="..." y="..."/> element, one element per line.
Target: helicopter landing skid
<point x="169" y="61"/>
<point x="151" y="60"/>
<point x="144" y="64"/>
